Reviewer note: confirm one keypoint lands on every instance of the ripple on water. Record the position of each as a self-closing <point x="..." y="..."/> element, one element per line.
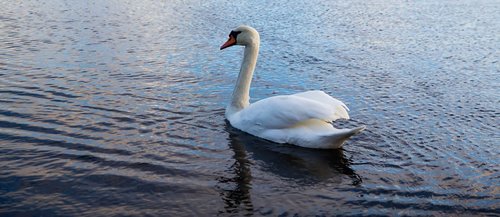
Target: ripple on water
<point x="117" y="108"/>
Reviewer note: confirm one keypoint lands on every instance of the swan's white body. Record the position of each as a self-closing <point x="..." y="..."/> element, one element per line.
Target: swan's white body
<point x="302" y="119"/>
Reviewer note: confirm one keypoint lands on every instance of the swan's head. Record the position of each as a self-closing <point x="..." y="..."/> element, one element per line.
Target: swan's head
<point x="243" y="35"/>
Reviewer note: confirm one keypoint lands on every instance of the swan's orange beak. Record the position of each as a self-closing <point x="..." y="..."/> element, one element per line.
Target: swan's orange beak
<point x="230" y="42"/>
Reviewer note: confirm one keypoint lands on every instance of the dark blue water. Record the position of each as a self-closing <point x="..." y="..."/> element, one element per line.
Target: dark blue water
<point x="113" y="108"/>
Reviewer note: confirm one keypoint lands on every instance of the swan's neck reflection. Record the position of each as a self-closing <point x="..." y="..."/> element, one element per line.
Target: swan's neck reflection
<point x="236" y="189"/>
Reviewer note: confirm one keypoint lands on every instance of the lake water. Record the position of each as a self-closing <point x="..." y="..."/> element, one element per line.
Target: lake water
<point x="113" y="108"/>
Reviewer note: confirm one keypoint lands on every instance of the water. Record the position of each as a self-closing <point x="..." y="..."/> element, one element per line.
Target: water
<point x="114" y="108"/>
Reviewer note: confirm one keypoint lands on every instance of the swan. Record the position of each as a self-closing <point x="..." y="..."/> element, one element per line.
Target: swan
<point x="302" y="119"/>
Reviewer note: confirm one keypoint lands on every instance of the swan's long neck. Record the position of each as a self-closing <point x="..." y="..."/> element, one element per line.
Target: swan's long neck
<point x="241" y="93"/>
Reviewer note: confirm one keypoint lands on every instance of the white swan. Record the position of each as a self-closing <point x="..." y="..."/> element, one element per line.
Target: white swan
<point x="302" y="119"/>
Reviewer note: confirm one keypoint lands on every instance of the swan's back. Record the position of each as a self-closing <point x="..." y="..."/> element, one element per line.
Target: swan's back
<point x="301" y="119"/>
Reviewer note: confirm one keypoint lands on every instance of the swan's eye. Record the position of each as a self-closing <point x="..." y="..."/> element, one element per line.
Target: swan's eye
<point x="234" y="34"/>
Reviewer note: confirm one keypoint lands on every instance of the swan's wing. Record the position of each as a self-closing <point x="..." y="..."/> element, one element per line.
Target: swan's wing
<point x="336" y="105"/>
<point x="286" y="111"/>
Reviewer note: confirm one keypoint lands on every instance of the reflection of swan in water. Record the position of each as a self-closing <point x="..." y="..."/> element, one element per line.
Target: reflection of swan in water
<point x="304" y="166"/>
<point x="236" y="190"/>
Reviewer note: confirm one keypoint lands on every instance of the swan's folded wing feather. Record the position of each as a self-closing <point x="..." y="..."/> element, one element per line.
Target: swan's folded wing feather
<point x="339" y="107"/>
<point x="286" y="111"/>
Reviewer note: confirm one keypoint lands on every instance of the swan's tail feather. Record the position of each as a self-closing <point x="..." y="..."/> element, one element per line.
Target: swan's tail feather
<point x="357" y="130"/>
<point x="338" y="139"/>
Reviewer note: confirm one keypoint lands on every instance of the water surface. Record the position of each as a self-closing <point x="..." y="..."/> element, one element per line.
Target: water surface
<point x="117" y="108"/>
